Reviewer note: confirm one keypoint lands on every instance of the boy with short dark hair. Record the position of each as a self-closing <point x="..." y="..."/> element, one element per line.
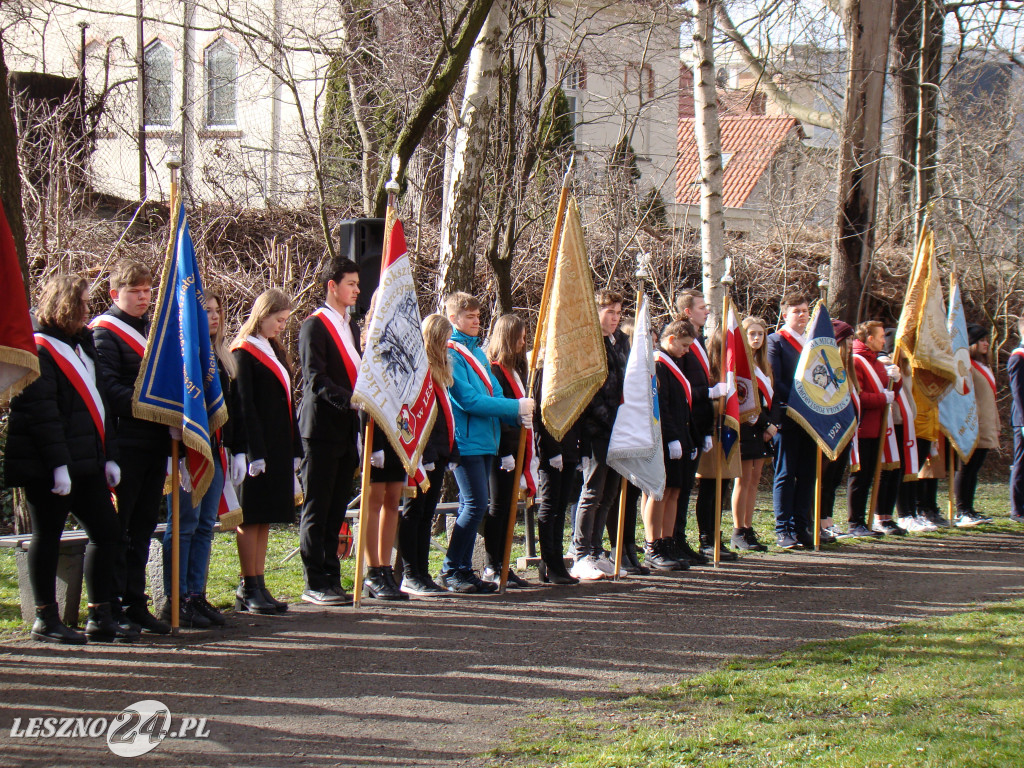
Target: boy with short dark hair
<point x="329" y="428"/>
<point x="121" y="336"/>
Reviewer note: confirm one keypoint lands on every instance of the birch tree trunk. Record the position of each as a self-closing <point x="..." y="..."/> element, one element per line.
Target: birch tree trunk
<point x="867" y="24"/>
<point x="709" y="149"/>
<point x="461" y="211"/>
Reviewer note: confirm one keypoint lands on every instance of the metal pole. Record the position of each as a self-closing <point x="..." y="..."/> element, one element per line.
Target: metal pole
<point x="175" y="478"/>
<point x="140" y="74"/>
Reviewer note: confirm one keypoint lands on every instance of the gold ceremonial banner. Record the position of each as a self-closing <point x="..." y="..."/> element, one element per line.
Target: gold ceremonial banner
<point x="575" y="366"/>
<point x="922" y="334"/>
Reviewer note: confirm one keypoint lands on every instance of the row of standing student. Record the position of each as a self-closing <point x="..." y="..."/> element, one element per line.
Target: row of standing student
<point x="482" y="403"/>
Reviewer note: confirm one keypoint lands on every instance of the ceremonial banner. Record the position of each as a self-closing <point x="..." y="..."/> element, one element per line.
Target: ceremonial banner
<point x="922" y="334"/>
<point x="178" y="383"/>
<point x="739" y="373"/>
<point x="394" y="383"/>
<point x="958" y="409"/>
<point x="820" y="399"/>
<point x="635" y="449"/>
<point x="575" y="365"/>
<point x="19" y="365"/>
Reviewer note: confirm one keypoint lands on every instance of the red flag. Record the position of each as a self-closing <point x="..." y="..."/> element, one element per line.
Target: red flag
<point x="739" y="372"/>
<point x="19" y="365"/>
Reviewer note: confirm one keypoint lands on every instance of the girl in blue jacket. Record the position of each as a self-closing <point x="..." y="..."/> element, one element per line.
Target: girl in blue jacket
<point x="478" y="407"/>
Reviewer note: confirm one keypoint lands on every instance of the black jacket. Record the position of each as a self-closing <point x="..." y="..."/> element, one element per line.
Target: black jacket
<point x="508" y="445"/>
<point x="437" y="450"/>
<point x="233" y="431"/>
<point x="674" y="410"/>
<point x="325" y="412"/>
<point x="50" y="425"/>
<point x="547" y="447"/>
<point x="598" y="417"/>
<point x="703" y="411"/>
<point x="271" y="430"/>
<point x="119" y="366"/>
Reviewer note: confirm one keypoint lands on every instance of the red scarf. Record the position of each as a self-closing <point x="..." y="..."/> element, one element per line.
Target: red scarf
<point x="668" y="362"/>
<point x="788" y="336"/>
<point x="351" y="366"/>
<point x="272" y="363"/>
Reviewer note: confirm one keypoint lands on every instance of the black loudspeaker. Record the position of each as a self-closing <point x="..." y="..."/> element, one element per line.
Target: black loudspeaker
<point x="362" y="240"/>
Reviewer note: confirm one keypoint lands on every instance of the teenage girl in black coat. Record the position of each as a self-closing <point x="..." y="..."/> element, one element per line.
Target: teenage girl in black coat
<point x="62" y="449"/>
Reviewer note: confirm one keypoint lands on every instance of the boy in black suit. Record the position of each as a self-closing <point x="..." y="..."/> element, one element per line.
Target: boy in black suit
<point x="1015" y="369"/>
<point x="329" y="426"/>
<point x="121" y="335"/>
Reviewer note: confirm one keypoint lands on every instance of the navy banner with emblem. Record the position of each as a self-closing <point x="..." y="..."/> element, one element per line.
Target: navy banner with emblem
<point x="820" y="400"/>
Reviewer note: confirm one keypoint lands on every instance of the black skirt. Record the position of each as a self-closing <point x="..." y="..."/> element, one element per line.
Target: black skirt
<point x="752" y="443"/>
<point x="393" y="471"/>
<point x="673" y="471"/>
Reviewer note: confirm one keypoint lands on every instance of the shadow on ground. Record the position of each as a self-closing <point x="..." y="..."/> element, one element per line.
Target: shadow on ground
<point x="435" y="683"/>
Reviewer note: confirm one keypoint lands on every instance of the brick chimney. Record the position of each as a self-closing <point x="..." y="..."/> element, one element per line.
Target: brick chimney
<point x="686" y="105"/>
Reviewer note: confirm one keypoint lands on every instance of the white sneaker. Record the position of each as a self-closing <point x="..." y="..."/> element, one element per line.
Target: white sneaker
<point x="587" y="570"/>
<point x="924" y="524"/>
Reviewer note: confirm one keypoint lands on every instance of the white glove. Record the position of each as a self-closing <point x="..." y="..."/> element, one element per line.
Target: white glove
<point x="522" y="482"/>
<point x="527" y="420"/>
<point x="61" y="481"/>
<point x="428" y="467"/>
<point x="555" y="462"/>
<point x="508" y="463"/>
<point x="675" y="450"/>
<point x="894" y="372"/>
<point x="377" y="459"/>
<point x="295" y="464"/>
<point x="935" y="449"/>
<point x="113" y="473"/>
<point x="719" y="390"/>
<point x="237" y="469"/>
<point x="707" y="444"/>
<point x="585" y="464"/>
<point x="170" y="466"/>
<point x="257" y="467"/>
<point x="184" y="478"/>
<point x="452" y="465"/>
<point x="359" y="445"/>
<point x="526" y="406"/>
<point x="175" y="433"/>
<point x="693" y="455"/>
<point x="889" y="397"/>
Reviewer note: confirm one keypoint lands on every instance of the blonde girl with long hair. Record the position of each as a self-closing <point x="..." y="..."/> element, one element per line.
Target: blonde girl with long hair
<point x="264" y="378"/>
<point x="441" y="453"/>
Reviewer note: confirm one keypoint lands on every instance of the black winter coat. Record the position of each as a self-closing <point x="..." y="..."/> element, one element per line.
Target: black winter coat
<point x="437" y="450"/>
<point x="547" y="447"/>
<point x="326" y="412"/>
<point x="599" y="415"/>
<point x="703" y="411"/>
<point x="119" y="366"/>
<point x="508" y="444"/>
<point x="233" y="431"/>
<point x="674" y="409"/>
<point x="50" y="425"/>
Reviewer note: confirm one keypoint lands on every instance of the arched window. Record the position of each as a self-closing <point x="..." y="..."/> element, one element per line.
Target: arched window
<point x="159" y="97"/>
<point x="221" y="76"/>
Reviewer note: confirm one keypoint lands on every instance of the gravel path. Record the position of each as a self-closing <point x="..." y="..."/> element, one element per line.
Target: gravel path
<point x="436" y="683"/>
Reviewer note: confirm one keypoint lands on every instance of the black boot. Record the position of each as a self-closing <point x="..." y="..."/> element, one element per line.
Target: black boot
<point x="48" y="628"/>
<point x="707" y="548"/>
<point x="552" y="568"/>
<point x="630" y="563"/>
<point x="139" y="613"/>
<point x="251" y="598"/>
<point x="377" y="586"/>
<point x="188" y="615"/>
<point x="200" y="603"/>
<point x="281" y="607"/>
<point x="101" y="627"/>
<point x="388" y="574"/>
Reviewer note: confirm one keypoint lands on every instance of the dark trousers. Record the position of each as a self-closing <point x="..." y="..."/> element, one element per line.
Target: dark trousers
<point x="629" y="528"/>
<point x="600" y="491"/>
<point x="705" y="506"/>
<point x="685" y="490"/>
<point x="928" y="494"/>
<point x="138" y="510"/>
<point x="1017" y="473"/>
<point x="911" y="497"/>
<point x="327" y="472"/>
<point x="89" y="501"/>
<point x="965" y="482"/>
<point x="859" y="487"/>
<point x="793" y="491"/>
<point x="555" y="489"/>
<point x="498" y="509"/>
<point x="831" y="479"/>
<point x="417" y="519"/>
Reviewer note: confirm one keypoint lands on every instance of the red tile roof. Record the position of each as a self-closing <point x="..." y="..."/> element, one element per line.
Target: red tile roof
<point x="751" y="140"/>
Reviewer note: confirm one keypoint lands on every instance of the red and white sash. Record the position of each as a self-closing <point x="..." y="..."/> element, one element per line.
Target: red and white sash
<point x="894" y="454"/>
<point x="346" y="348"/>
<point x="475" y="364"/>
<point x="228" y="497"/>
<point x="854" y="445"/>
<point x="441" y="395"/>
<point x="764" y="385"/>
<point x="668" y="362"/>
<point x="698" y="351"/>
<point x="985" y="371"/>
<point x="520" y="392"/>
<point x="81" y="379"/>
<point x="262" y="351"/>
<point x="796" y="343"/>
<point x="122" y="330"/>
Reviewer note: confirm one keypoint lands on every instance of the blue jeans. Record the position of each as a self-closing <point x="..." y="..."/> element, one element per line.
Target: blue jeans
<point x="195" y="537"/>
<point x="795" y="470"/>
<point x="472" y="476"/>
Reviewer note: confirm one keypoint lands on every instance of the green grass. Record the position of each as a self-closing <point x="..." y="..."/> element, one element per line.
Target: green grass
<point x="285" y="579"/>
<point x="945" y="692"/>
